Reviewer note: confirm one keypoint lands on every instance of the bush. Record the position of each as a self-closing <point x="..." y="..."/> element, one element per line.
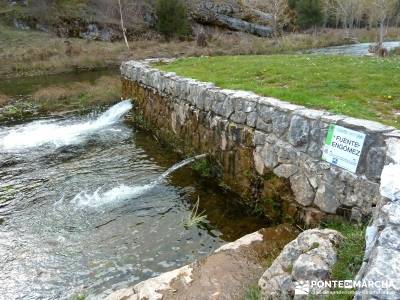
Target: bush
<point x="171" y="18"/>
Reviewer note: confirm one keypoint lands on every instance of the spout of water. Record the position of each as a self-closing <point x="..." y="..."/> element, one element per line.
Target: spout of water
<point x="123" y="192"/>
<point x="180" y="165"/>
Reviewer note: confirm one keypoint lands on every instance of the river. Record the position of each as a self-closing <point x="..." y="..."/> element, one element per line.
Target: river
<point x="86" y="207"/>
<point x="359" y="49"/>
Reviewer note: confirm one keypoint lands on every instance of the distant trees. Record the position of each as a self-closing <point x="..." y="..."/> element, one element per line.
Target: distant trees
<point x="383" y="10"/>
<point x="171" y="18"/>
<point x="310" y="13"/>
<point x="348" y="14"/>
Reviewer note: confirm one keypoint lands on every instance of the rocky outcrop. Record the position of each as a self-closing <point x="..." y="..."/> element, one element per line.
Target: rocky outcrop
<point x="310" y="256"/>
<point x="225" y="274"/>
<point x="382" y="255"/>
<point x="66" y="27"/>
<point x="252" y="136"/>
<point x="240" y="25"/>
<point x="229" y="14"/>
<point x="100" y="20"/>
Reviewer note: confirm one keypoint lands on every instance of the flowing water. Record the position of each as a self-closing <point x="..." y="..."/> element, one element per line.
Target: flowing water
<point x="90" y="204"/>
<point x="359" y="49"/>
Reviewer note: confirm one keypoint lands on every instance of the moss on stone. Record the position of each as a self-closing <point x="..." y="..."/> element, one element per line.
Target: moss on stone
<point x="208" y="168"/>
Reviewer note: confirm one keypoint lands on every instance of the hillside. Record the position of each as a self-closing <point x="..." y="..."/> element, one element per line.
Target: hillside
<point x="100" y="19"/>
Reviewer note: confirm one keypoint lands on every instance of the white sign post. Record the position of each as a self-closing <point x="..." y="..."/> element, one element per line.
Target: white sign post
<point x="343" y="147"/>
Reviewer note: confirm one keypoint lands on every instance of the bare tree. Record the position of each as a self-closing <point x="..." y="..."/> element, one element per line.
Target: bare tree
<point x="122" y="25"/>
<point x="348" y="12"/>
<point x="276" y="8"/>
<point x="383" y="10"/>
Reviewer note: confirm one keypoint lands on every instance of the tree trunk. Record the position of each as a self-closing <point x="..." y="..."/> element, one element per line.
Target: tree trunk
<point x="122" y="25"/>
<point x="381" y="32"/>
<point x="275" y="27"/>
<point x="346" y="29"/>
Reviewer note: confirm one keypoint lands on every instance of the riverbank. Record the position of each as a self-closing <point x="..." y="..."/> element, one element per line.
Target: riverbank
<point x="59" y="98"/>
<point x="29" y="52"/>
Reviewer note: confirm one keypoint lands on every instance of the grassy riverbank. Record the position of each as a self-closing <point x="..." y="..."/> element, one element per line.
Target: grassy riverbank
<point x="362" y="87"/>
<point x="28" y="52"/>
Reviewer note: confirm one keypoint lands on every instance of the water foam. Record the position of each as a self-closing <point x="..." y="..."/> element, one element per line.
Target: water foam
<point x="124" y="192"/>
<point x="57" y="134"/>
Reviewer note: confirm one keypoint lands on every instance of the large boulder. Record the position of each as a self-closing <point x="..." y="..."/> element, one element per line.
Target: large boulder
<point x="310" y="256"/>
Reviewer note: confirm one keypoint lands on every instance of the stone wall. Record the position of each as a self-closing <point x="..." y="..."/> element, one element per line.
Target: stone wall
<point x="254" y="137"/>
<point x="382" y="254"/>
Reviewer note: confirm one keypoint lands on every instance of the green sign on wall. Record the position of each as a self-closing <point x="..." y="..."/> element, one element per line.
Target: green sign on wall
<point x="343" y="147"/>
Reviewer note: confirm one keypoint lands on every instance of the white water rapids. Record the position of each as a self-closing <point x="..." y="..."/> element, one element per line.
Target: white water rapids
<point x="124" y="192"/>
<point x="50" y="132"/>
<point x="56" y="133"/>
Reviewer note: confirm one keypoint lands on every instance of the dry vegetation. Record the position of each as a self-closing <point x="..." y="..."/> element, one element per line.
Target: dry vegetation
<point x="24" y="53"/>
<point x="78" y="95"/>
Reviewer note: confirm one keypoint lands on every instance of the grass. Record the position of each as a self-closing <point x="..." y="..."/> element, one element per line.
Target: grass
<point x="350" y="254"/>
<point x="253" y="293"/>
<point x="272" y="255"/>
<point x="195" y="218"/>
<point x="351" y="251"/>
<point x="79" y="297"/>
<point x="362" y="87"/>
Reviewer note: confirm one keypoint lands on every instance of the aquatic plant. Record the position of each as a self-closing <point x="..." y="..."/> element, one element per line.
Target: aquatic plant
<point x="195" y="218"/>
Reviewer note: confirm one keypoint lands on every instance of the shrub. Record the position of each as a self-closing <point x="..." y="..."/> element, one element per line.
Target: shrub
<point x="171" y="18"/>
